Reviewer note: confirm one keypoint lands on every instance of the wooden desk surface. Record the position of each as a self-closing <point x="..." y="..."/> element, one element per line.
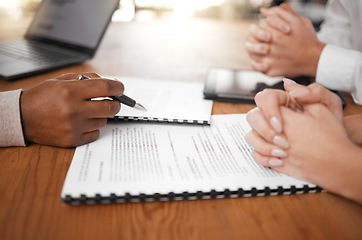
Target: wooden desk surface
<point x="31" y="178"/>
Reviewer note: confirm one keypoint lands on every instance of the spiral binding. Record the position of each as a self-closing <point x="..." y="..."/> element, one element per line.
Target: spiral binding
<point x="213" y="194"/>
<point x="160" y="120"/>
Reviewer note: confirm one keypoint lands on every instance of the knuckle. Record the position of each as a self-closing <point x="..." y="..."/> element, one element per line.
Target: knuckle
<point x="101" y="123"/>
<point x="248" y="137"/>
<point x="250" y="115"/>
<point x="317" y="88"/>
<point x="259" y="158"/>
<point x="90" y="137"/>
<point x="92" y="74"/>
<point x="277" y="36"/>
<point x="319" y="109"/>
<point x="264" y="149"/>
<point x="70" y="140"/>
<point x="66" y="93"/>
<point x="68" y="129"/>
<point x="111" y="108"/>
<point x="263" y="95"/>
<point x="121" y="87"/>
<point x="268" y="134"/>
<point x="68" y="112"/>
<point x="271" y="20"/>
<point x="94" y="136"/>
<point x="67" y="76"/>
<point x="105" y="85"/>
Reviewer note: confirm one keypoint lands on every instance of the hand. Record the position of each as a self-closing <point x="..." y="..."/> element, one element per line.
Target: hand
<point x="59" y="111"/>
<point x="320" y="151"/>
<point x="259" y="38"/>
<point x="267" y="136"/>
<point x="290" y="51"/>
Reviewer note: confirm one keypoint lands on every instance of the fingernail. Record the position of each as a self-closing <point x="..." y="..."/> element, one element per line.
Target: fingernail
<point x="275" y="162"/>
<point x="275" y="123"/>
<point x="261" y="48"/>
<point x="248" y="45"/>
<point x="281" y="142"/>
<point x="300" y="92"/>
<point x="265" y="35"/>
<point x="286" y="28"/>
<point x="288" y="81"/>
<point x="252" y="28"/>
<point x="278" y="153"/>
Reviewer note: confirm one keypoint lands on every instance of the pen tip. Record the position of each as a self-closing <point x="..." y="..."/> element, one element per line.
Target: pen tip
<point x="140" y="107"/>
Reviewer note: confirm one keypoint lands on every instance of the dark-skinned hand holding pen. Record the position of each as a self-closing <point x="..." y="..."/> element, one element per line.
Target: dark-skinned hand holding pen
<point x="59" y="112"/>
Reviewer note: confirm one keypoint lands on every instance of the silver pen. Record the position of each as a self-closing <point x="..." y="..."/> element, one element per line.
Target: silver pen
<point x="122" y="99"/>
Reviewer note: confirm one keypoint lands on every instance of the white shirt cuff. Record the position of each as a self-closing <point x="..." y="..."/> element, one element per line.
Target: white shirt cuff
<point x="336" y="68"/>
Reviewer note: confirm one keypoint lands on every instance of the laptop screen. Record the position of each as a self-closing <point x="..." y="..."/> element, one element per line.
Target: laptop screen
<point x="77" y="22"/>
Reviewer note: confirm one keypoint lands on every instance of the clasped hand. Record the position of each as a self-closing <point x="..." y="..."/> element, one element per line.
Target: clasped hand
<point x="301" y="132"/>
<point x="284" y="44"/>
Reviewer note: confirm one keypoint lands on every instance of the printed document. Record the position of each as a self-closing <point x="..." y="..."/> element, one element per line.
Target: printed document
<point x="149" y="158"/>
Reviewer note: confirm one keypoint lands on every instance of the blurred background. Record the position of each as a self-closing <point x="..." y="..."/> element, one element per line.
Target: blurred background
<point x="179" y="10"/>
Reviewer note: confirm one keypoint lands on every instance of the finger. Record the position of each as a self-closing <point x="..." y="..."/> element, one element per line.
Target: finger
<point x="94" y="124"/>
<point x="316" y="93"/>
<point x="266" y="161"/>
<point x="260" y="66"/>
<point x="257" y="48"/>
<point x="101" y="108"/>
<point x="74" y="76"/>
<point x="99" y="87"/>
<point x="288" y="8"/>
<point x="77" y="140"/>
<point x="284" y="14"/>
<point x="278" y="23"/>
<point x="88" y="137"/>
<point x="263" y="147"/>
<point x="67" y="76"/>
<point x="260" y="34"/>
<point x="269" y="101"/>
<point x="261" y="126"/>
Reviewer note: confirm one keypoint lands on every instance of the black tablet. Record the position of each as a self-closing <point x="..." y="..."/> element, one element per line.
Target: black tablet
<point x="230" y="85"/>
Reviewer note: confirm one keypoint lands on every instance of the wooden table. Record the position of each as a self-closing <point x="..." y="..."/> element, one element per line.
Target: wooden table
<point x="31" y="178"/>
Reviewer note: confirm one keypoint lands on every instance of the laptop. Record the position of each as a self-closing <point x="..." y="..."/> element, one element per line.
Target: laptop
<point x="62" y="33"/>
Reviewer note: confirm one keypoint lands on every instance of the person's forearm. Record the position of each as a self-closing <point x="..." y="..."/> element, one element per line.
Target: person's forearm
<point x="350" y="176"/>
<point x="343" y="175"/>
<point x="353" y="125"/>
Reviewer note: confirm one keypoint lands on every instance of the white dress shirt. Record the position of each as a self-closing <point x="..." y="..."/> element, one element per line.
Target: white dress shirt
<point x="340" y="64"/>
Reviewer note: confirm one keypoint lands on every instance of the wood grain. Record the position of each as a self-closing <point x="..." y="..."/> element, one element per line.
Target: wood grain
<point x="31" y="178"/>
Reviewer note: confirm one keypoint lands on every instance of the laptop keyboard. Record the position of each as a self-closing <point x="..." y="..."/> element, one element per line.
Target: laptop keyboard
<point x="25" y="50"/>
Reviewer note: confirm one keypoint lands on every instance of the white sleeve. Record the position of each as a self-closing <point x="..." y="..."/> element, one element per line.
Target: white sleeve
<point x="341" y="69"/>
<point x="11" y="132"/>
<point x="336" y="28"/>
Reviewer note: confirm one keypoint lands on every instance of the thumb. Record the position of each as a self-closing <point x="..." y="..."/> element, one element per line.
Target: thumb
<point x="288" y="8"/>
<point x="315" y="93"/>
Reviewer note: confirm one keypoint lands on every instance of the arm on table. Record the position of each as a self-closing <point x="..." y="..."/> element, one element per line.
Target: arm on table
<point x="60" y="112"/>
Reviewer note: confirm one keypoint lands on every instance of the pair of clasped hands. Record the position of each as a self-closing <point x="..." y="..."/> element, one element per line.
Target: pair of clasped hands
<point x="301" y="131"/>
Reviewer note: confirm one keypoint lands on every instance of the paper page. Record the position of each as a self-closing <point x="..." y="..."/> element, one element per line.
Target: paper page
<point x="161" y="158"/>
<point x="172" y="100"/>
